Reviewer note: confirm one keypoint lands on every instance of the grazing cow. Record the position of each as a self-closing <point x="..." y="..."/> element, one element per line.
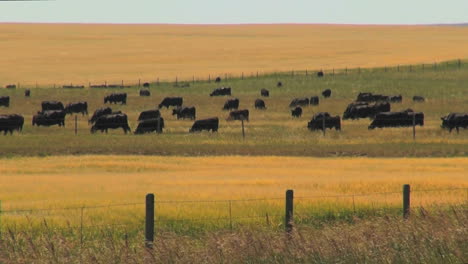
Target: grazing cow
<point x="145" y="92"/>
<point x="100" y="112"/>
<point x="49" y="118"/>
<point x="79" y="107"/>
<point x="264" y="92"/>
<point x="418" y="99"/>
<point x="221" y="91"/>
<point x="326" y="93"/>
<point x="314" y="100"/>
<point x="146" y="85"/>
<point x="218" y="79"/>
<point x="113" y="121"/>
<point x="369" y="97"/>
<point x="11" y="86"/>
<point x="51" y="105"/>
<point x="299" y="102"/>
<point x="185" y="112"/>
<point x="116" y="98"/>
<point x="205" y="124"/>
<point x="260" y="104"/>
<point x="358" y="110"/>
<point x="171" y="101"/>
<point x="238" y="115"/>
<point x="397" y="119"/>
<point x="5" y="101"/>
<point x="320" y="74"/>
<point x="150" y="125"/>
<point x="8" y="123"/>
<point x="279" y="84"/>
<point x="231" y="104"/>
<point x="455" y="120"/>
<point x="396" y="98"/>
<point x="98" y="86"/>
<point x="27" y="93"/>
<point x="296" y="112"/>
<point x="321" y="121"/>
<point x="149" y="114"/>
<point x="73" y="86"/>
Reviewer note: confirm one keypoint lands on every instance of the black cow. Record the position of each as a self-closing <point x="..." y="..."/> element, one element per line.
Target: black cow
<point x="149" y="114"/>
<point x="320" y="74"/>
<point x="369" y="97"/>
<point x="27" y="92"/>
<point x="150" y="125"/>
<point x="113" y="121"/>
<point x="264" y="93"/>
<point x="100" y="112"/>
<point x="321" y="121"/>
<point x="5" y="101"/>
<point x="144" y="92"/>
<point x="185" y="112"/>
<point x="171" y="101"/>
<point x="116" y="98"/>
<point x="418" y="99"/>
<point x="79" y="107"/>
<point x="11" y="86"/>
<point x="238" y="115"/>
<point x="51" y="105"/>
<point x="314" y="100"/>
<point x="49" y="118"/>
<point x="9" y="123"/>
<point x="221" y="91"/>
<point x="299" y="102"/>
<point x="455" y="120"/>
<point x="205" y="124"/>
<point x="231" y="104"/>
<point x="146" y="85"/>
<point x="218" y="79"/>
<point x="296" y="112"/>
<point x="397" y="119"/>
<point x="358" y="110"/>
<point x="279" y="84"/>
<point x="326" y="93"/>
<point x="396" y="98"/>
<point x="260" y="104"/>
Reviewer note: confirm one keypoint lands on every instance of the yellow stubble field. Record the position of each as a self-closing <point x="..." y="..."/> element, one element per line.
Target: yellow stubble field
<point x="82" y="53"/>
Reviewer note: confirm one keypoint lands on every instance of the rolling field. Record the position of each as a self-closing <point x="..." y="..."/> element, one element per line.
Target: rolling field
<point x="270" y="132"/>
<point x="64" y="53"/>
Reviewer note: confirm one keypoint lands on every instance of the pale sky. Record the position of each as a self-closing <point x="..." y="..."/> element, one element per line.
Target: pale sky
<point x="237" y="11"/>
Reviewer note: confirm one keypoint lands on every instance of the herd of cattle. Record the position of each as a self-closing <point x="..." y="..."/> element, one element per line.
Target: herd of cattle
<point x="367" y="105"/>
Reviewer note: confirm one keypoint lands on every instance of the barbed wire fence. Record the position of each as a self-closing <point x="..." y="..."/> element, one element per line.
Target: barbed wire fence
<point x="177" y="215"/>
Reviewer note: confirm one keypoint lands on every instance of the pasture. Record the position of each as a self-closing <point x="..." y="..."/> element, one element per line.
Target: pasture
<point x="269" y="132"/>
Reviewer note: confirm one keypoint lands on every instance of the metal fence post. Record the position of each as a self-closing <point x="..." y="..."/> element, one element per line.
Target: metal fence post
<point x="149" y="221"/>
<point x="289" y="210"/>
<point x="406" y="201"/>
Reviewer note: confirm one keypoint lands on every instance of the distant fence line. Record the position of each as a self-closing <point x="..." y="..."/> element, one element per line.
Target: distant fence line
<point x="177" y="81"/>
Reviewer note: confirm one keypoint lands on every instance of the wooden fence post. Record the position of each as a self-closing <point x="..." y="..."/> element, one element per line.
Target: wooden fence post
<point x="406" y="201"/>
<point x="289" y="210"/>
<point x="149" y="220"/>
<point x="243" y="131"/>
<point x="139" y="83"/>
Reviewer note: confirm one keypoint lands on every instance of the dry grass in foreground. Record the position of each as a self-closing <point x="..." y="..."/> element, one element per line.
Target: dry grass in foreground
<point x="428" y="237"/>
<point x="64" y="53"/>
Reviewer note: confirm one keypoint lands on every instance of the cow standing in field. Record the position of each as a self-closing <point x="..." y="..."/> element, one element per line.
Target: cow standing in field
<point x="260" y="104"/>
<point x="112" y="121"/>
<point x="455" y="120"/>
<point x="185" y="112"/>
<point x="314" y="100"/>
<point x="5" y="101"/>
<point x="299" y="102"/>
<point x="144" y="92"/>
<point x="238" y="115"/>
<point x="221" y="91"/>
<point x="115" y="98"/>
<point x="264" y="93"/>
<point x="100" y="112"/>
<point x="326" y="93"/>
<point x="149" y="114"/>
<point x="51" y="105"/>
<point x="296" y="112"/>
<point x="27" y="93"/>
<point x="11" y="86"/>
<point x="369" y="97"/>
<point x="396" y="98"/>
<point x="171" y="101"/>
<point x="150" y="121"/>
<point x="418" y="99"/>
<point x="49" y="118"/>
<point x="321" y="121"/>
<point x="79" y="107"/>
<point x="279" y="84"/>
<point x="397" y="119"/>
<point x="146" y="85"/>
<point x="358" y="110"/>
<point x="205" y="124"/>
<point x="218" y="79"/>
<point x="320" y="74"/>
<point x="9" y="123"/>
<point x="231" y="104"/>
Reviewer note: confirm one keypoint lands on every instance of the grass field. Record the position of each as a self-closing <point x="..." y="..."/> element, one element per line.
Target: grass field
<point x="269" y="132"/>
<point x="64" y="53"/>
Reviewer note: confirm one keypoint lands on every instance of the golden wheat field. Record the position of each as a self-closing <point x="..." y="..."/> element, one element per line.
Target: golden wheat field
<point x="82" y="53"/>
